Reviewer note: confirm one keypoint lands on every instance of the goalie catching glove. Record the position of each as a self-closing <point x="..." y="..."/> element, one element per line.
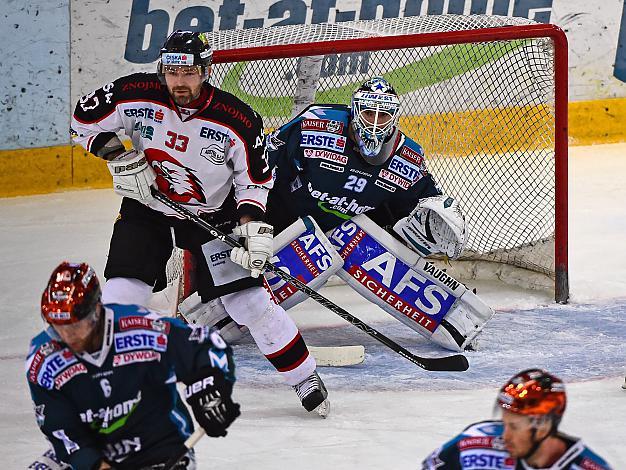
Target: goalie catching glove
<point x="436" y="225"/>
<point x="258" y="246"/>
<point x="132" y="175"/>
<point x="208" y="394"/>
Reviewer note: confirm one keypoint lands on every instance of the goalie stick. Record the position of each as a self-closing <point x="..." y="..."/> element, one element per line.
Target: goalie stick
<point x="457" y="362"/>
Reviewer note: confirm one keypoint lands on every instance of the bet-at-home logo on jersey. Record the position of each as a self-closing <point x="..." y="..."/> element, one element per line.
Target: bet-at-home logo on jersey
<point x="341" y="204"/>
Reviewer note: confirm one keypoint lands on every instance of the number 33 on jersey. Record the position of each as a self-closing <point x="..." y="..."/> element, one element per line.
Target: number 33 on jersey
<point x="192" y="151"/>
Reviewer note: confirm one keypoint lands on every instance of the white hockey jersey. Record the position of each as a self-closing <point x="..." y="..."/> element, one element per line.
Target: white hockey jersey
<point x="199" y="157"/>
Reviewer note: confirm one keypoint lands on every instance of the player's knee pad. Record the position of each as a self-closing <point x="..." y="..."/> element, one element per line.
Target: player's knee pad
<point x="249" y="306"/>
<point x="303" y="250"/>
<point x="126" y="291"/>
<point x="212" y="314"/>
<point x="269" y="324"/>
<point x="408" y="287"/>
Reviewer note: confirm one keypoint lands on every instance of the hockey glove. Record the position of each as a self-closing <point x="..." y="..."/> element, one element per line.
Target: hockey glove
<point x="132" y="176"/>
<point x="259" y="246"/>
<point x="436" y="225"/>
<point x="208" y="394"/>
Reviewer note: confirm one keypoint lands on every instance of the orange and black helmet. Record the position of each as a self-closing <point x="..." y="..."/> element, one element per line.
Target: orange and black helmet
<point x="72" y="293"/>
<point x="534" y="392"/>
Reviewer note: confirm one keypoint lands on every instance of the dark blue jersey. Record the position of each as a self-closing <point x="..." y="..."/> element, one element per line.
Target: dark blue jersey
<point x="481" y="447"/>
<point x="121" y="402"/>
<point x="319" y="172"/>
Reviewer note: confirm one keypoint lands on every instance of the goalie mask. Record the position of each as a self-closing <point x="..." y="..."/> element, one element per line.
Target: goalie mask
<point x="185" y="49"/>
<point x="374" y="114"/>
<point x="73" y="293"/>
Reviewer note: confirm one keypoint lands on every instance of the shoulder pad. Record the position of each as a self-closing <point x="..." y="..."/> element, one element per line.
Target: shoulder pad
<point x="411" y="151"/>
<point x="338" y="112"/>
<point x="42" y="342"/>
<point x="484" y="435"/>
<point x="232" y="111"/>
<point x="137" y="87"/>
<point x="589" y="460"/>
<point x="484" y="428"/>
<point x="124" y="310"/>
<point x="134" y="317"/>
<point x="135" y="83"/>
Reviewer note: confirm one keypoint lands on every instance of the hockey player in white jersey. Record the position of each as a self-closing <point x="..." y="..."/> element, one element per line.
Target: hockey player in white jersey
<point x="203" y="148"/>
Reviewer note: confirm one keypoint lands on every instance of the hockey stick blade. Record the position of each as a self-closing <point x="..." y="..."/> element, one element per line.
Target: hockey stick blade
<point x="337" y="356"/>
<point x="456" y="363"/>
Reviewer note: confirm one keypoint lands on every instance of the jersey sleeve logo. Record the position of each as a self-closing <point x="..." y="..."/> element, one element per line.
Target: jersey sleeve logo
<point x="324" y="125"/>
<point x="176" y="181"/>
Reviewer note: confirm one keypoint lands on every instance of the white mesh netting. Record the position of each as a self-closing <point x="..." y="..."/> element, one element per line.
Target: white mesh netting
<point x="483" y="111"/>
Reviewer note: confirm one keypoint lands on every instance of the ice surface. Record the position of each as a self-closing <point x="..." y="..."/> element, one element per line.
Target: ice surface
<point x="386" y="412"/>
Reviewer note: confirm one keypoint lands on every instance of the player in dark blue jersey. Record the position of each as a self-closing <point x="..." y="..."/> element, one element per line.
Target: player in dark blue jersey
<point x="333" y="162"/>
<point x="103" y="378"/>
<point x="527" y="437"/>
<point x="350" y="170"/>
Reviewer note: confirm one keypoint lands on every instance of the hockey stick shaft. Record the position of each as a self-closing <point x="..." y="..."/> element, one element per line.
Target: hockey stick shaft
<point x="457" y="362"/>
<point x="187" y="445"/>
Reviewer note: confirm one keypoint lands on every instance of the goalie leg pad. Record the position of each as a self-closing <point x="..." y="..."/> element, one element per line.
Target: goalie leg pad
<point x="463" y="323"/>
<point x="406" y="286"/>
<point x="302" y="250"/>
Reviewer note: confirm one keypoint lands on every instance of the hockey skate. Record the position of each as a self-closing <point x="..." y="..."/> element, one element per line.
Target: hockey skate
<point x="312" y="394"/>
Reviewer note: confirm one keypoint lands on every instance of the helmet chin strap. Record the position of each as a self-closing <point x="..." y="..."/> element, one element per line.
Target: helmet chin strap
<point x="536" y="444"/>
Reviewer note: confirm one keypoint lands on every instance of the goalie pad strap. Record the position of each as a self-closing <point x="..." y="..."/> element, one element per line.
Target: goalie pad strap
<point x="458" y="338"/>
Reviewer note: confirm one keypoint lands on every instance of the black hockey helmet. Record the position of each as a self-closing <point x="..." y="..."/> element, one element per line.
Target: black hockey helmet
<point x="185" y="48"/>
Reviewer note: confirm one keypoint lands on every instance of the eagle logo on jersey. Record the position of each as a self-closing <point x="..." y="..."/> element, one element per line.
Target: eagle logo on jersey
<point x="175" y="180"/>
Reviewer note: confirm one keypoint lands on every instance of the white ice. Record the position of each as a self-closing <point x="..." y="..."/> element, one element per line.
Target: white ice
<point x="386" y="412"/>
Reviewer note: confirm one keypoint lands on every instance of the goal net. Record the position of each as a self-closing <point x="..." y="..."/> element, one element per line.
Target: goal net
<point x="485" y="96"/>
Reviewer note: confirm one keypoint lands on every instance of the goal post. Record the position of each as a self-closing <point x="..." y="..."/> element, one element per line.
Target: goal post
<point x="485" y="96"/>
